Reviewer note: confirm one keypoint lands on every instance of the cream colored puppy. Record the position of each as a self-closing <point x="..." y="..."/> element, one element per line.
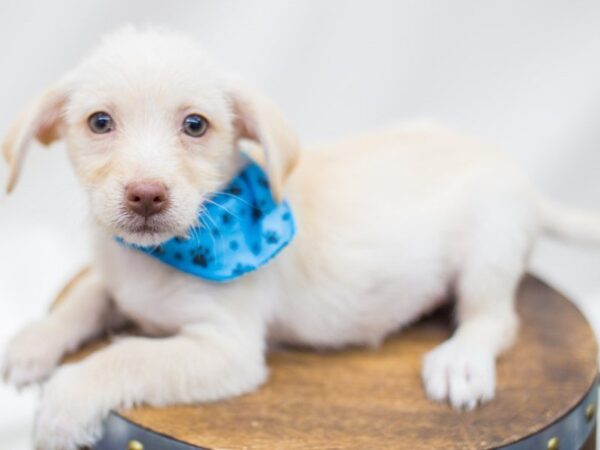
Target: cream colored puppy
<point x="388" y="224"/>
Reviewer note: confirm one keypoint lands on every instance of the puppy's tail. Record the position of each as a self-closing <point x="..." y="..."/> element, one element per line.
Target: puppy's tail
<point x="567" y="223"/>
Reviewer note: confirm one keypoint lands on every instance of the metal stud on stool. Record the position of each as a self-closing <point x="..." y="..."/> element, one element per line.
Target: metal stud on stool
<point x="135" y="445"/>
<point x="589" y="412"/>
<point x="554" y="444"/>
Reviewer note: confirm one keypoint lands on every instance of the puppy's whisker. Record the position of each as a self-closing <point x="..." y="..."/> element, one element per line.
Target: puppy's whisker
<point x="237" y="197"/>
<point x="194" y="231"/>
<point x="214" y="244"/>
<point x="223" y="208"/>
<point x="220" y="236"/>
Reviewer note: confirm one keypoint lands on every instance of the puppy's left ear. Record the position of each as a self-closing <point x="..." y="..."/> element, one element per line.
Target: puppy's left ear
<point x="42" y="121"/>
<point x="259" y="120"/>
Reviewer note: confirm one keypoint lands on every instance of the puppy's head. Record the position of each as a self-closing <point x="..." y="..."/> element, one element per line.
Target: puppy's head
<point x="152" y="129"/>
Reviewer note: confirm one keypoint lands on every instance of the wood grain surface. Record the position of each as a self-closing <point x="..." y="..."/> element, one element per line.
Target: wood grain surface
<point x="373" y="399"/>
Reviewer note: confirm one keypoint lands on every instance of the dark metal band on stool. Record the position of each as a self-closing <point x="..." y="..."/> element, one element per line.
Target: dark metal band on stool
<point x="570" y="432"/>
<point x="119" y="434"/>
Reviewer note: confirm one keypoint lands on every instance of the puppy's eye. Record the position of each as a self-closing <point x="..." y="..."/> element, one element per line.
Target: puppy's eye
<point x="100" y="123"/>
<point x="195" y="125"/>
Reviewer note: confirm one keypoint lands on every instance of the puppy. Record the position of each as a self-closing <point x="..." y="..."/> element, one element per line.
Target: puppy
<point x="387" y="225"/>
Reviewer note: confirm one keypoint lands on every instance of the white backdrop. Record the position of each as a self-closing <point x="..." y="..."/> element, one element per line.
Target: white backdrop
<point x="522" y="74"/>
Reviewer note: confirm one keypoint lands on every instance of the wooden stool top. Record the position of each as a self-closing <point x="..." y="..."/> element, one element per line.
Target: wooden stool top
<point x="361" y="398"/>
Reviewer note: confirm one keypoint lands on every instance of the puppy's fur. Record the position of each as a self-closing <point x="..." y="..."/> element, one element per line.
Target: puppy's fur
<point x="388" y="224"/>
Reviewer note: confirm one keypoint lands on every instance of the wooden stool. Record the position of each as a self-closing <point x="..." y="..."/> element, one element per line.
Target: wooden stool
<point x="373" y="399"/>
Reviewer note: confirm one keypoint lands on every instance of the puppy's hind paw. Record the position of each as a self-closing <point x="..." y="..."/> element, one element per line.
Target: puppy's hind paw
<point x="462" y="375"/>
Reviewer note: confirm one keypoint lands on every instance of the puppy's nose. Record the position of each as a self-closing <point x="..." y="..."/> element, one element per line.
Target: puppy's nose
<point x="146" y="198"/>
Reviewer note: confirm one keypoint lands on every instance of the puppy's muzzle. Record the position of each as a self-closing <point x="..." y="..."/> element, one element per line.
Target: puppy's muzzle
<point x="146" y="198"/>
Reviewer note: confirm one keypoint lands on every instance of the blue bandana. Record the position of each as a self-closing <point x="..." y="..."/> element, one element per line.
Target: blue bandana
<point x="240" y="230"/>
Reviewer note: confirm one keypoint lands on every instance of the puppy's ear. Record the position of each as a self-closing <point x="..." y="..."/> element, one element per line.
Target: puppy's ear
<point x="42" y="121"/>
<point x="257" y="119"/>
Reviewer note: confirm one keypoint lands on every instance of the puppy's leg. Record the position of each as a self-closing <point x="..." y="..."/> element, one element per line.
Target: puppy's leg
<point x="35" y="351"/>
<point x="205" y="362"/>
<point x="462" y="369"/>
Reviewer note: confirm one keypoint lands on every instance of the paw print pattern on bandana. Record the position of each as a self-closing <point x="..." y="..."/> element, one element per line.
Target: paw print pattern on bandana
<point x="202" y="256"/>
<point x="243" y="230"/>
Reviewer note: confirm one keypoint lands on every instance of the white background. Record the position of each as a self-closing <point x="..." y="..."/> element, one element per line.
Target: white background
<point x="522" y="74"/>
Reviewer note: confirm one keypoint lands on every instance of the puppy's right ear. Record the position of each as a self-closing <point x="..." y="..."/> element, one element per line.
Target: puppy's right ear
<point x="257" y="119"/>
<point x="42" y="121"/>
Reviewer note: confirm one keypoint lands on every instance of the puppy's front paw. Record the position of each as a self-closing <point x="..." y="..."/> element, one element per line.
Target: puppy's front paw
<point x="72" y="408"/>
<point x="460" y="374"/>
<point x="32" y="354"/>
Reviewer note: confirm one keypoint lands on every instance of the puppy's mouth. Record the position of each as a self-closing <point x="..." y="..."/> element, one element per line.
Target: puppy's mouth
<point x="146" y="231"/>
